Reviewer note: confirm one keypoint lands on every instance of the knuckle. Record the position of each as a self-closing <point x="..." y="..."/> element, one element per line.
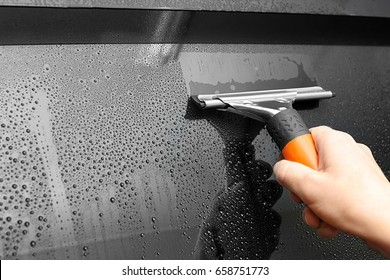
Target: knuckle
<point x="321" y="127"/>
<point x="365" y="148"/>
<point x="348" y="137"/>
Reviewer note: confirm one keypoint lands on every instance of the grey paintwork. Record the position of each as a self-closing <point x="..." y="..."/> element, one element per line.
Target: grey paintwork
<point x="378" y="8"/>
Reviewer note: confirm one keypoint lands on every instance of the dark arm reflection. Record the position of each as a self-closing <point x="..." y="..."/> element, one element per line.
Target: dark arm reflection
<point x="241" y="223"/>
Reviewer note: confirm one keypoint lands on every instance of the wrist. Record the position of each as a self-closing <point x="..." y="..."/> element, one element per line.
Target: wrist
<point x="376" y="230"/>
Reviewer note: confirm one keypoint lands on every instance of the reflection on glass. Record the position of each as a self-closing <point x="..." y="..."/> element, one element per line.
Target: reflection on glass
<point x="102" y="158"/>
<point x="241" y="223"/>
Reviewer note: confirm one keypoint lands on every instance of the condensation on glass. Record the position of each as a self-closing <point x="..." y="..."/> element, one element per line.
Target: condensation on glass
<point x="103" y="157"/>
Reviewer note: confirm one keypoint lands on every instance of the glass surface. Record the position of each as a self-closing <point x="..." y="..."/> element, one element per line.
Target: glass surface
<point x="103" y="156"/>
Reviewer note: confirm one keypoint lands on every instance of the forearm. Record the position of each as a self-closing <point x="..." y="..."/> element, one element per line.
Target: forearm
<point x="377" y="230"/>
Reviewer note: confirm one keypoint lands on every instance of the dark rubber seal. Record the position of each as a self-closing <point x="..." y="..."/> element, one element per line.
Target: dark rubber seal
<point x="285" y="126"/>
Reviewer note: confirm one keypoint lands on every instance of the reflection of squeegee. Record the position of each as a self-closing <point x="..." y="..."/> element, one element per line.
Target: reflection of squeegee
<point x="274" y="107"/>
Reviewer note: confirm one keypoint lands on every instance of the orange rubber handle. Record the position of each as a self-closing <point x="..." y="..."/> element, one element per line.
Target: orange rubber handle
<point x="302" y="149"/>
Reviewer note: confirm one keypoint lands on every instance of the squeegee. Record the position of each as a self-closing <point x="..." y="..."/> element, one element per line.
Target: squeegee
<point x="274" y="107"/>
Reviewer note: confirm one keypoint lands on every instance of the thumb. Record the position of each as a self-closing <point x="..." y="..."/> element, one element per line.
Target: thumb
<point x="298" y="179"/>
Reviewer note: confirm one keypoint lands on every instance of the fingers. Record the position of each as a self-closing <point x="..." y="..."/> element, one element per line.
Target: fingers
<point x="298" y="179"/>
<point x="310" y="186"/>
<point x="322" y="132"/>
<point x="295" y="198"/>
<point x="322" y="228"/>
<point x="310" y="218"/>
<point x="326" y="231"/>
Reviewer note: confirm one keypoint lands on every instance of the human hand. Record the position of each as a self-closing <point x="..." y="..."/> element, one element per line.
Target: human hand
<point x="349" y="192"/>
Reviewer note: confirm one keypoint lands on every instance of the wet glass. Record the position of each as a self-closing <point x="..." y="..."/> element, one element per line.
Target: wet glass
<point x="103" y="156"/>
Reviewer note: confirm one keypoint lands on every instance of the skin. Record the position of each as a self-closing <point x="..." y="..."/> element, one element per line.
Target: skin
<point x="348" y="192"/>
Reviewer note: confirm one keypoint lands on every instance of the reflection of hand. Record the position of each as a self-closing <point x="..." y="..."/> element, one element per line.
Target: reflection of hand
<point x="242" y="224"/>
